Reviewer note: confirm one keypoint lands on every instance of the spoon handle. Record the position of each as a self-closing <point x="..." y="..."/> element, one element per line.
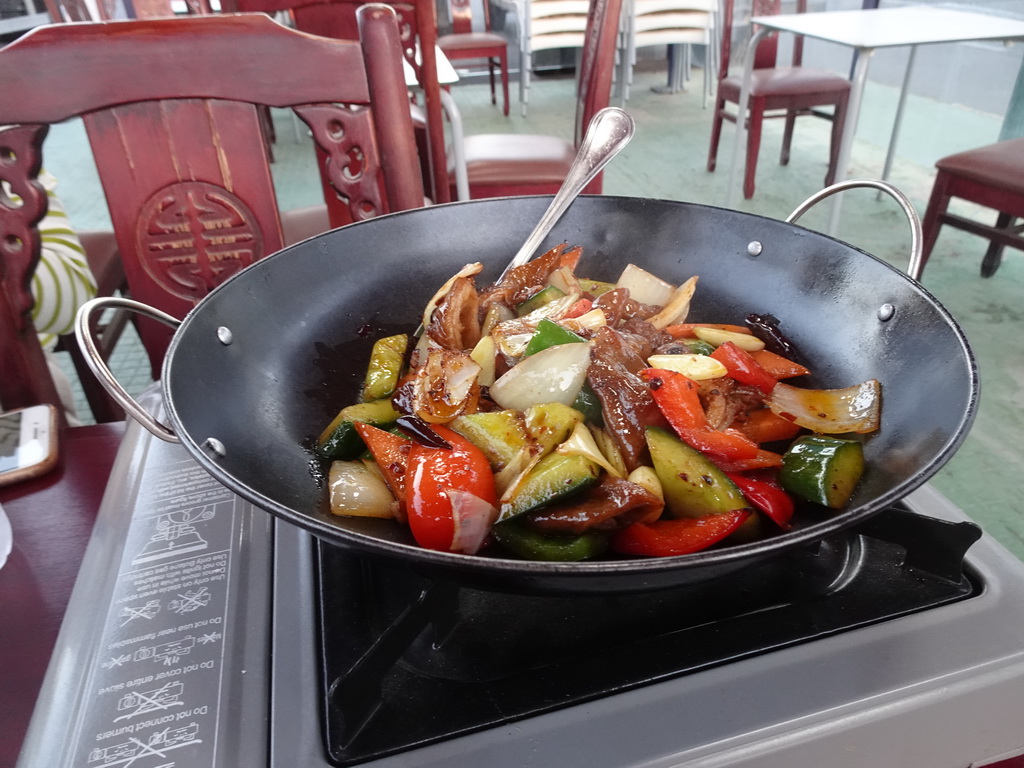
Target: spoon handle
<point x="609" y="131"/>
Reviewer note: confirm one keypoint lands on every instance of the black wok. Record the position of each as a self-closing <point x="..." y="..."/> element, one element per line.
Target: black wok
<point x="302" y="323"/>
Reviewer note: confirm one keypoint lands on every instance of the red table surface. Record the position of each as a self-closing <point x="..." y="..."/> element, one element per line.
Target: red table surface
<point x="51" y="518"/>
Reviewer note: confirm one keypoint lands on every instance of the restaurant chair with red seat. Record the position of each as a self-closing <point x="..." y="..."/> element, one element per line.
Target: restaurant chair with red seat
<point x="418" y="30"/>
<point x="465" y="44"/>
<point x="991" y="176"/>
<point x="512" y="164"/>
<point x="170" y="107"/>
<point x="776" y="91"/>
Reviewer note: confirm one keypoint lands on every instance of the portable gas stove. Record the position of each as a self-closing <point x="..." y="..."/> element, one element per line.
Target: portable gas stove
<point x="202" y="633"/>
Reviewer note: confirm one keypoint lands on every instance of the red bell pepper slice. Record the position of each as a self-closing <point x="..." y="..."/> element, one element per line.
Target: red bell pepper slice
<point x="767" y="497"/>
<point x="432" y="473"/>
<point x="744" y="368"/>
<point x="778" y="366"/>
<point x="761" y="460"/>
<point x="764" y="426"/>
<point x="391" y="452"/>
<point x="677" y="398"/>
<point x="682" y="536"/>
<point x="581" y="307"/>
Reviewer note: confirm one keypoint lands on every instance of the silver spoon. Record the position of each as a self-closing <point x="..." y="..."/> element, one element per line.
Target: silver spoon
<point x="609" y="131"/>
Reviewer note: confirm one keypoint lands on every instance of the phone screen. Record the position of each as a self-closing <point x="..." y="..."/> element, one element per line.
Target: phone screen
<point x="10" y="436"/>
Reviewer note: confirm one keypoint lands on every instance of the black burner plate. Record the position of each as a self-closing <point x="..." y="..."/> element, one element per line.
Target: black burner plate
<point x="408" y="662"/>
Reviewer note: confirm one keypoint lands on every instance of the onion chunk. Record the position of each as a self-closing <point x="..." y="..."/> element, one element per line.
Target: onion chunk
<point x="830" y="411"/>
<point x="356" y="491"/>
<point x="553" y="375"/>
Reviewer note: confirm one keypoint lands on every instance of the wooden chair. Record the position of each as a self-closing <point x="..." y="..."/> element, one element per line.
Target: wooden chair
<point x="26" y="378"/>
<point x="100" y="250"/>
<point x="795" y="90"/>
<point x="101" y="246"/>
<point x="500" y="165"/>
<point x="104" y="260"/>
<point x="170" y="109"/>
<point x="464" y="44"/>
<point x="990" y="176"/>
<point x="418" y="30"/>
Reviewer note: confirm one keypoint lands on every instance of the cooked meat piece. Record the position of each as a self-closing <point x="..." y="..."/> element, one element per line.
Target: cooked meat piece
<point x="618" y="307"/>
<point x="455" y="323"/>
<point x="673" y="347"/>
<point x="725" y="399"/>
<point x="626" y="402"/>
<point x="613" y="304"/>
<point x="522" y="282"/>
<point x="637" y="344"/>
<point x="655" y="339"/>
<point x="613" y="503"/>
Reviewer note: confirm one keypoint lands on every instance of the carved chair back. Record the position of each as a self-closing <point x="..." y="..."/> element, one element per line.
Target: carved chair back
<point x="417" y="20"/>
<point x="171" y="110"/>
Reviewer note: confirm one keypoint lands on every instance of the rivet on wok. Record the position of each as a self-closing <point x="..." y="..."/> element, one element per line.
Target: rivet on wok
<point x="215" y="446"/>
<point x="754" y="248"/>
<point x="885" y="312"/>
<point x="225" y="335"/>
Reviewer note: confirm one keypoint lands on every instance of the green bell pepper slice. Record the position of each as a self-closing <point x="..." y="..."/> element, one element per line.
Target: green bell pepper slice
<point x="386" y="362"/>
<point x="517" y="537"/>
<point x="550" y="334"/>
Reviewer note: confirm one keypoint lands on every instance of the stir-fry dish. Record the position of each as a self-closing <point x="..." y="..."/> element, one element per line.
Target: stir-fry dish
<point x="552" y="417"/>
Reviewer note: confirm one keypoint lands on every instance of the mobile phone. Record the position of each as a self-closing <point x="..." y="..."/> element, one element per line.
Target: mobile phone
<point x="28" y="443"/>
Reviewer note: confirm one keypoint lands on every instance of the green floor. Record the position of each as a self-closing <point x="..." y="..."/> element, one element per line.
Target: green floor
<point x="667" y="160"/>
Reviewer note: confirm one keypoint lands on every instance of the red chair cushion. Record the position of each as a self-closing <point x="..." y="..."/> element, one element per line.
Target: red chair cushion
<point x="785" y="81"/>
<point x="999" y="165"/>
<point x="513" y="159"/>
<point x="471" y="41"/>
<point x="301" y="224"/>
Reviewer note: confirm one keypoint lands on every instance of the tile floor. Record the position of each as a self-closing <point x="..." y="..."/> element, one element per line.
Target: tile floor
<point x="667" y="160"/>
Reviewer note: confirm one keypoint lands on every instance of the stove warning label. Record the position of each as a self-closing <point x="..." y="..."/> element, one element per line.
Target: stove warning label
<point x="157" y="744"/>
<point x="157" y="684"/>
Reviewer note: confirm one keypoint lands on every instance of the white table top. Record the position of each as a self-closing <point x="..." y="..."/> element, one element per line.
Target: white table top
<point x="888" y="27"/>
<point x="446" y="74"/>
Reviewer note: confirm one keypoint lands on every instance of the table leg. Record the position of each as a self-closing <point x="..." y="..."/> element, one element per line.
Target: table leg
<point x="891" y="152"/>
<point x="860" y="75"/>
<point x="740" y="139"/>
<point x="628" y="58"/>
<point x="673" y="83"/>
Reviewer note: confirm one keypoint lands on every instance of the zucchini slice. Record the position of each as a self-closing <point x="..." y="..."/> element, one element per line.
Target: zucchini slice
<point x="822" y="469"/>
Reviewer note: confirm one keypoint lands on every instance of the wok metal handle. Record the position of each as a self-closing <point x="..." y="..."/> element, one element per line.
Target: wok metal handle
<point x="87" y="343"/>
<point x="916" y="265"/>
